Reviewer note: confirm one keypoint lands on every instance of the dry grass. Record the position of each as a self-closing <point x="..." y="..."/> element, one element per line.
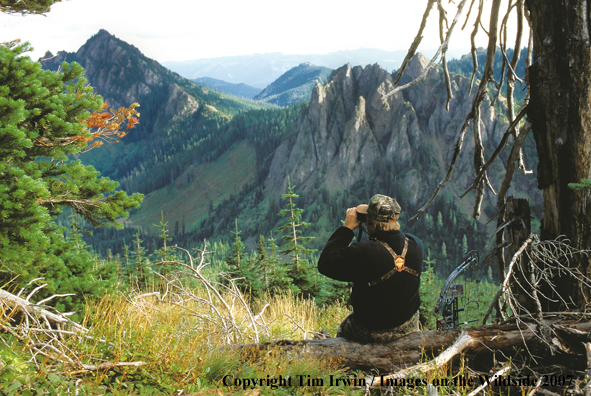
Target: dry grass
<point x="184" y="346"/>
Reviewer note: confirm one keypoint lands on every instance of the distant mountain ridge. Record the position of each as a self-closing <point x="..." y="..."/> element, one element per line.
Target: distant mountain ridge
<point x="241" y="90"/>
<point x="295" y="85"/>
<point x="260" y="70"/>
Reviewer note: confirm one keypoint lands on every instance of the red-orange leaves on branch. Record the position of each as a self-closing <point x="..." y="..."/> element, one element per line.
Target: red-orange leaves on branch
<point x="103" y="126"/>
<point x="106" y="125"/>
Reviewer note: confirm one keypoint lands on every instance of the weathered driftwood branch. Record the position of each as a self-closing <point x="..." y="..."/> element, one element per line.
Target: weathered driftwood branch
<point x="463" y="342"/>
<point x="44" y="341"/>
<point x="504" y="287"/>
<point x="26" y="306"/>
<point x="409" y="350"/>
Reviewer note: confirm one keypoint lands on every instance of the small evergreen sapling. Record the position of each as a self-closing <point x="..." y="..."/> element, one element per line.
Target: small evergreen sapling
<point x="300" y="269"/>
<point x="164" y="253"/>
<point x="240" y="266"/>
<point x="279" y="281"/>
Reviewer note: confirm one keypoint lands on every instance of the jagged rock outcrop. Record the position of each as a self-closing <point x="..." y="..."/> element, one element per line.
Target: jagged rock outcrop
<point x="348" y="126"/>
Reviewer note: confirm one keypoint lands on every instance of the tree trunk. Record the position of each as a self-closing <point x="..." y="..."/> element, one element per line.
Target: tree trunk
<point x="517" y="211"/>
<point x="560" y="112"/>
<point x="567" y="338"/>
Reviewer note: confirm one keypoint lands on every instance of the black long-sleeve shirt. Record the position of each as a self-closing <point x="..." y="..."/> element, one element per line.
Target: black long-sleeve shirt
<point x="389" y="303"/>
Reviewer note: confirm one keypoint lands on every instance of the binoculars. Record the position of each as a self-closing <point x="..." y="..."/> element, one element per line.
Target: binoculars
<point x="362" y="217"/>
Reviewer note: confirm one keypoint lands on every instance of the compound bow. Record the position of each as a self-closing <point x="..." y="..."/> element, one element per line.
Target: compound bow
<point x="447" y="304"/>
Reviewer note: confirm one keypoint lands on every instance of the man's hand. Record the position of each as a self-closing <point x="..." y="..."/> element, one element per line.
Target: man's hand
<point x="351" y="221"/>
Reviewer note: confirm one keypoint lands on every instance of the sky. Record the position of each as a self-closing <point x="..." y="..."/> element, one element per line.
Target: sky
<point x="177" y="30"/>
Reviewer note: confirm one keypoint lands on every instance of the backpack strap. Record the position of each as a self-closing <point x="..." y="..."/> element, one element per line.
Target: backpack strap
<point x="399" y="261"/>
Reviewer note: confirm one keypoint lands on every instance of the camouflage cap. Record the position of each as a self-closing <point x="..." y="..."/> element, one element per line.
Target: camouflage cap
<point x="381" y="208"/>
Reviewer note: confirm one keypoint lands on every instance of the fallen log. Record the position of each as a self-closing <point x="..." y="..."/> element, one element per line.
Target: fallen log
<point x="553" y="338"/>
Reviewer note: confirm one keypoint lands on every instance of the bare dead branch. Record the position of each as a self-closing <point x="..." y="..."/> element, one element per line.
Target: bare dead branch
<point x="497" y="151"/>
<point x="503" y="47"/>
<point x="456" y="154"/>
<point x="478" y="162"/>
<point x="478" y="99"/>
<point x="54" y="296"/>
<point x="473" y="49"/>
<point x="505" y="285"/>
<point x="225" y="301"/>
<point x="511" y="161"/>
<point x="443" y="18"/>
<point x="442" y="49"/>
<point x="463" y="342"/>
<point x="106" y="366"/>
<point x="468" y="14"/>
<point x="416" y="42"/>
<point x="28" y="308"/>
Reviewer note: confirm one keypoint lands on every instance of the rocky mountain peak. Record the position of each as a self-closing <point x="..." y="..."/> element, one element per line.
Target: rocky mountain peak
<point x="103" y="32"/>
<point x="416" y="65"/>
<point x="349" y="127"/>
<point x="123" y="75"/>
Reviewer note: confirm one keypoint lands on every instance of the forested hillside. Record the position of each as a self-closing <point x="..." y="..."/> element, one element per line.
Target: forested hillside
<point x="295" y="85"/>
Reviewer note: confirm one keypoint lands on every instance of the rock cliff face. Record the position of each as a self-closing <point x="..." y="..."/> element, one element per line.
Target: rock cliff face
<point x="348" y="126"/>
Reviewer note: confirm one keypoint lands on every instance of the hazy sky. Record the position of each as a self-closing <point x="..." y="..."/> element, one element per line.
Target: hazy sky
<point x="175" y="30"/>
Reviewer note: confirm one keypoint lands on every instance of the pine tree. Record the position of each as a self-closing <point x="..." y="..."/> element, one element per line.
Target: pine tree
<point x="464" y="245"/>
<point x="428" y="221"/>
<point x="300" y="269"/>
<point x="428" y="293"/>
<point x="443" y="250"/>
<point x="44" y="120"/>
<point x="489" y="274"/>
<point x="164" y="253"/>
<point x="279" y="281"/>
<point x="583" y="186"/>
<point x="142" y="271"/>
<point x="439" y="220"/>
<point x="83" y="274"/>
<point x="238" y="263"/>
<point x="127" y="270"/>
<point x="26" y="6"/>
<point x="430" y="262"/>
<point x="261" y="263"/>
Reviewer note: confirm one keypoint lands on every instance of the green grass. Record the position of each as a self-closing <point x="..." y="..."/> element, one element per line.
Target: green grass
<point x="190" y="196"/>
